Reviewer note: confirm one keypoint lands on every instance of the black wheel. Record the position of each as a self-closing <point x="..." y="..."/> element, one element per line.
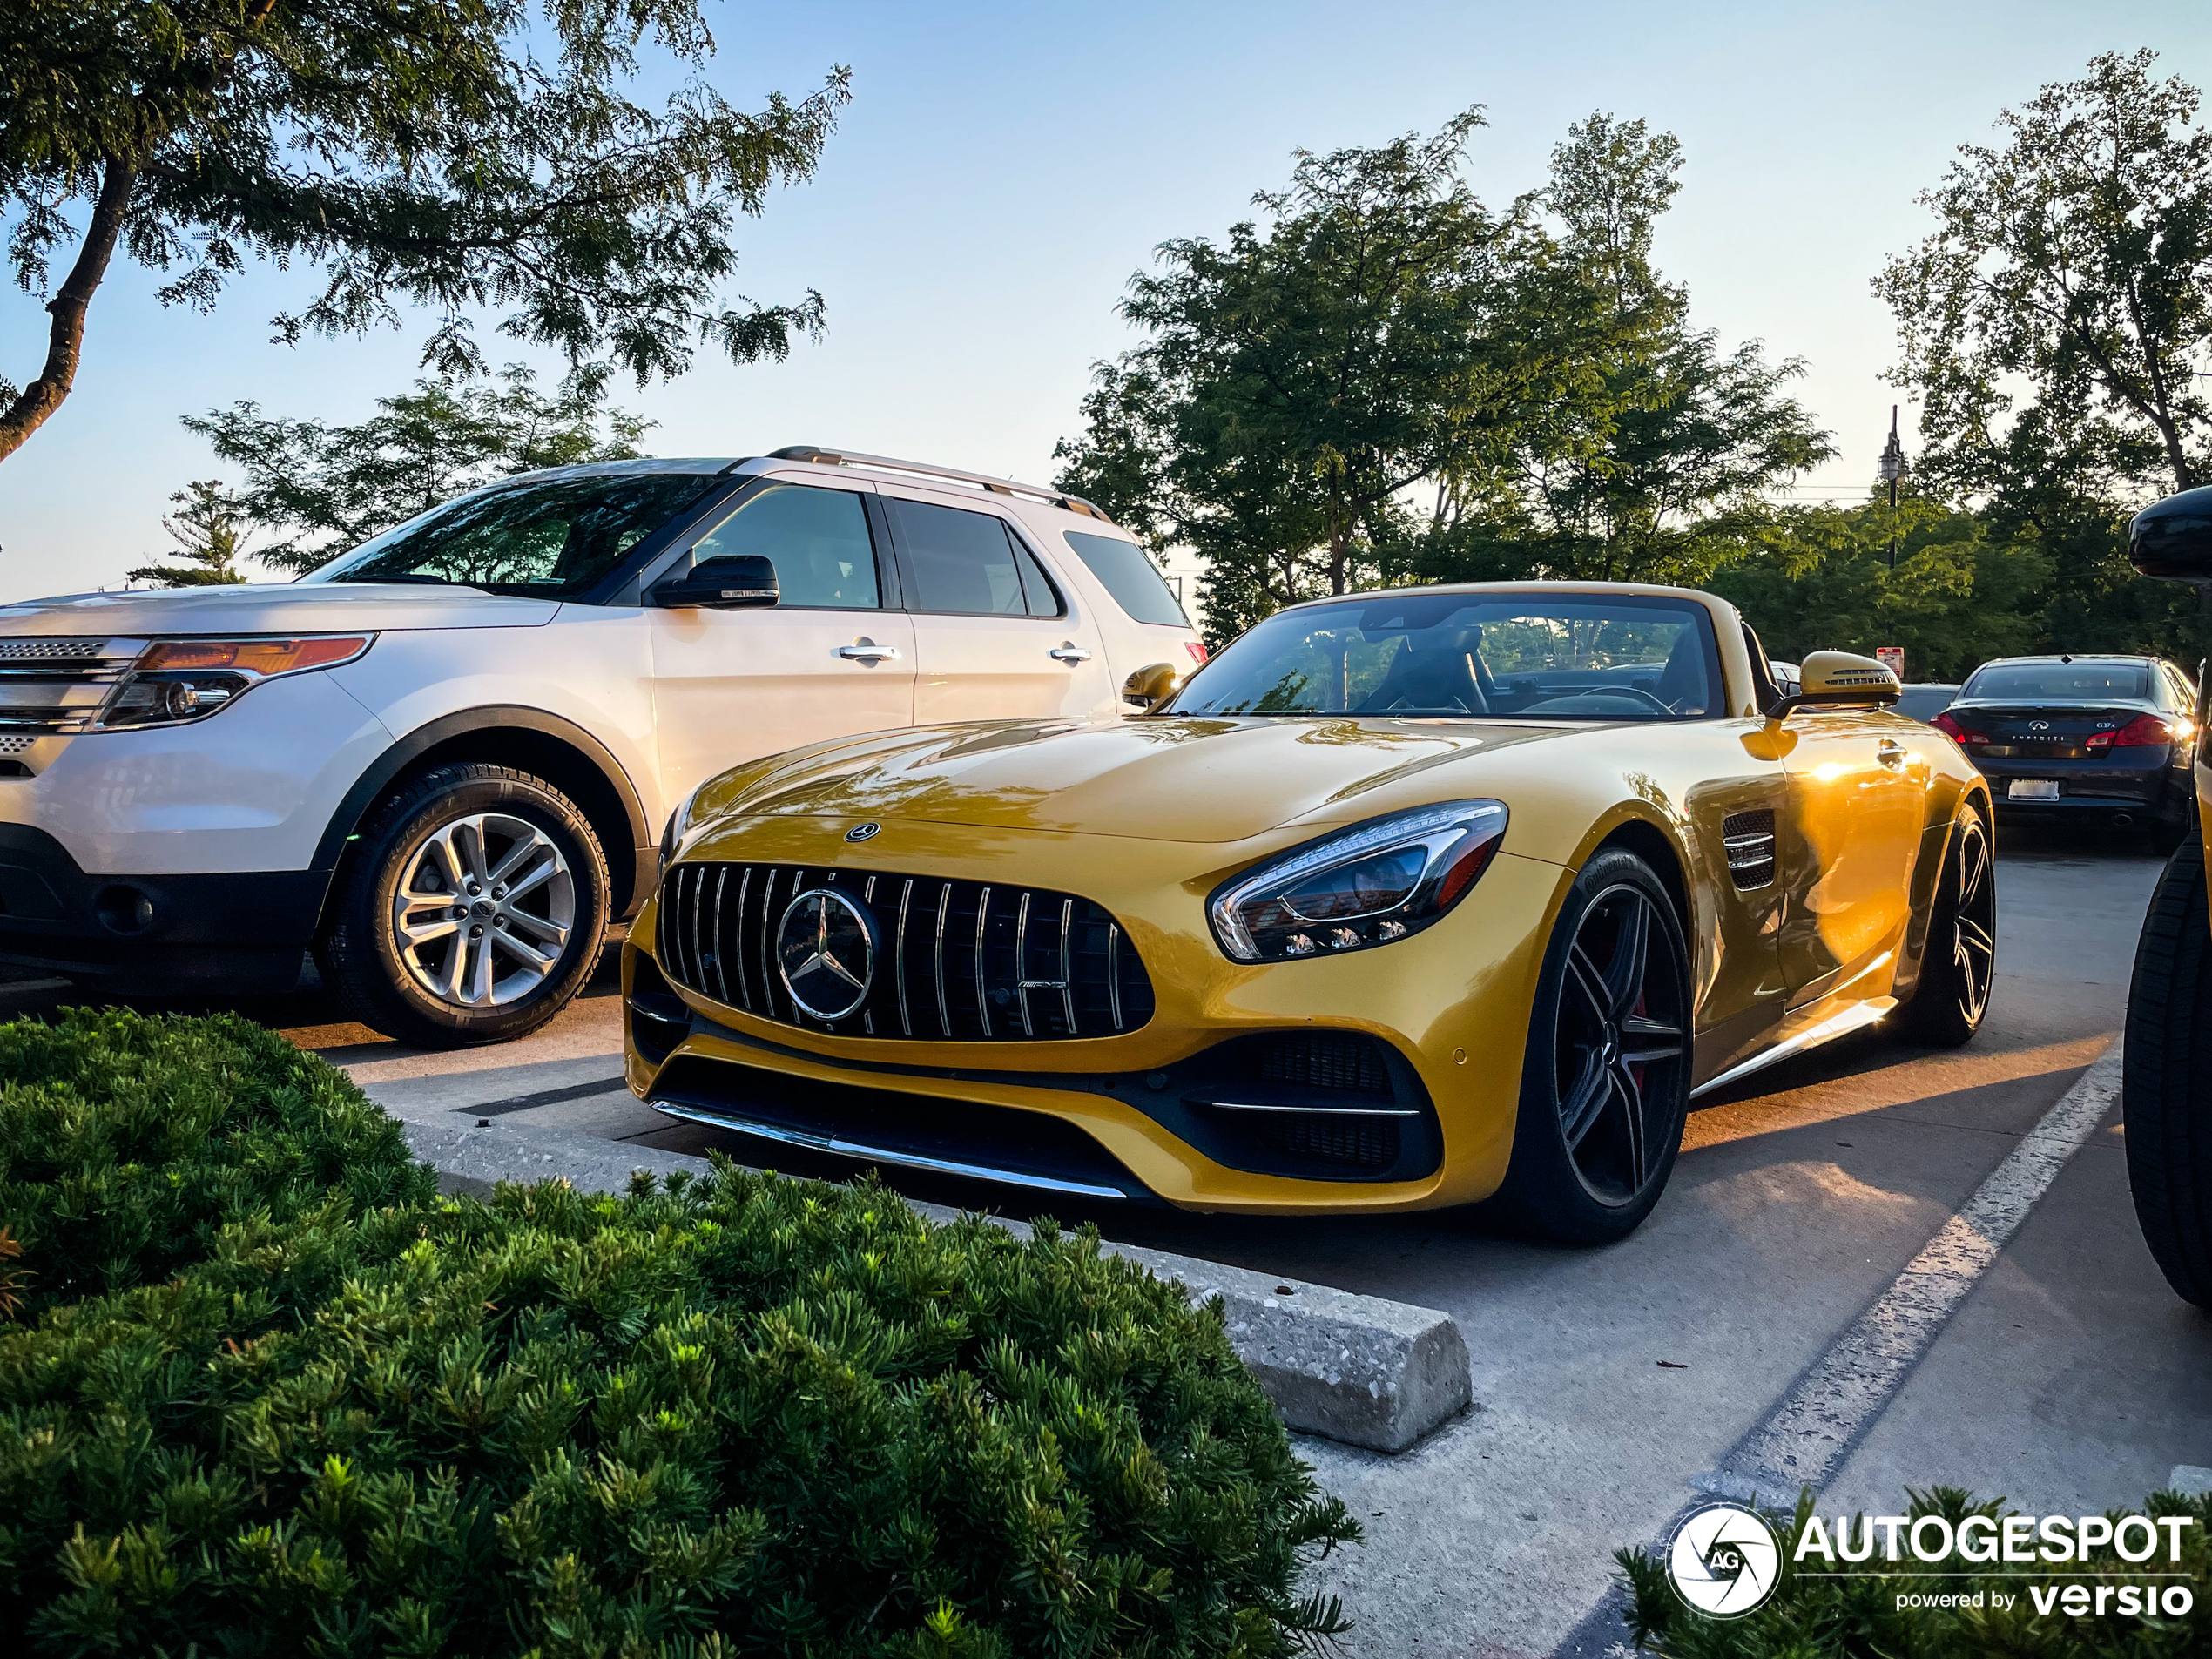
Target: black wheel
<point x="1605" y="1088"/>
<point x="2166" y="1079"/>
<point x="1947" y="1003"/>
<point x="470" y="910"/>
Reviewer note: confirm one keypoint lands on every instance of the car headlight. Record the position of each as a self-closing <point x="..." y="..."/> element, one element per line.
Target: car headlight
<point x="176" y="680"/>
<point x="1367" y="886"/>
<point x="679" y="822"/>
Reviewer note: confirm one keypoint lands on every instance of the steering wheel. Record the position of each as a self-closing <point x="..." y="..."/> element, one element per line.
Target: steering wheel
<point x="1658" y="703"/>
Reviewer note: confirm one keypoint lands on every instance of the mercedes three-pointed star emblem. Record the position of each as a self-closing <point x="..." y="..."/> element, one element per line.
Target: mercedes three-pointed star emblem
<point x="825" y="953"/>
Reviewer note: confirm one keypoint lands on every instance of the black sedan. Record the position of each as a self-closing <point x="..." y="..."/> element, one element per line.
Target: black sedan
<point x="2084" y="739"/>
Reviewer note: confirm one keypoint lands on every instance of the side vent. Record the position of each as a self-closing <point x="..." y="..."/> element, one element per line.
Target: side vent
<point x="1749" y="838"/>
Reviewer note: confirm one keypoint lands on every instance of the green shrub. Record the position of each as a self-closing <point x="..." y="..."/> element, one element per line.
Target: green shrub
<point x="740" y="1415"/>
<point x="1859" y="1618"/>
<point x="127" y="1141"/>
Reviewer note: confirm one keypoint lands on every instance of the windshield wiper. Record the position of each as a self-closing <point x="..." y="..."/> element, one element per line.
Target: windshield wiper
<point x="416" y="577"/>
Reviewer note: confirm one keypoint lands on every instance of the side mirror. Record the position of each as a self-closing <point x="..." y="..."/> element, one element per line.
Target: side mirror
<point x="735" y="581"/>
<point x="1839" y="678"/>
<point x="2172" y="539"/>
<point x="1151" y="686"/>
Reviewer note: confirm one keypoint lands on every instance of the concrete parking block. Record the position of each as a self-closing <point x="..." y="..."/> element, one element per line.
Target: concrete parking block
<point x="1360" y="1369"/>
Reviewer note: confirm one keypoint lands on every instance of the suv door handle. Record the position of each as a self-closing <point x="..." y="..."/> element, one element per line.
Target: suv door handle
<point x="1890" y="752"/>
<point x="867" y="651"/>
<point x="1069" y="652"/>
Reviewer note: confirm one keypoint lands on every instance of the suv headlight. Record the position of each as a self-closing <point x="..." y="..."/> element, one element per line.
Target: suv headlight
<point x="1370" y="885"/>
<point x="176" y="680"/>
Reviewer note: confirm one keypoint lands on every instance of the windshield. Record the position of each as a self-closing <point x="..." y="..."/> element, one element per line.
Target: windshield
<point x="1471" y="656"/>
<point x="548" y="538"/>
<point x="2060" y="683"/>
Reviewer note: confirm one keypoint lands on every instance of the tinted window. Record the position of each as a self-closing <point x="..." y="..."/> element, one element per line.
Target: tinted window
<point x="968" y="563"/>
<point x="2059" y="683"/>
<point x="818" y="540"/>
<point x="1127" y="571"/>
<point x="1924" y="703"/>
<point x="553" y="537"/>
<point x="1565" y="656"/>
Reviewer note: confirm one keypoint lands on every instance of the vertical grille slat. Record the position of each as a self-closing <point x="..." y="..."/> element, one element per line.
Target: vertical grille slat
<point x="986" y="938"/>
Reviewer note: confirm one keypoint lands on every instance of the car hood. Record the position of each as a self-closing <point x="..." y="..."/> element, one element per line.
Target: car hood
<point x="271" y="608"/>
<point x="1196" y="779"/>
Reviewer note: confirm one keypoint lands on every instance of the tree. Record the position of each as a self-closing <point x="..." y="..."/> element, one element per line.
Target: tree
<point x="2060" y="316"/>
<point x="1817" y="578"/>
<point x="1383" y="328"/>
<point x="208" y="531"/>
<point x="328" y="488"/>
<point x="1665" y="472"/>
<point x="2057" y="327"/>
<point x="475" y="153"/>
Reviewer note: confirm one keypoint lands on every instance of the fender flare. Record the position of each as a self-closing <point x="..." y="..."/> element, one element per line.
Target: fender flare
<point x="394" y="760"/>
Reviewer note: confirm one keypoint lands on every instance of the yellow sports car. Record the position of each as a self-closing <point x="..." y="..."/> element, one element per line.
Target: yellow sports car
<point x="1416" y="897"/>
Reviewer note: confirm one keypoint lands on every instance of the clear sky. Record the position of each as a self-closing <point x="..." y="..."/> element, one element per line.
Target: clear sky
<point x="1002" y="169"/>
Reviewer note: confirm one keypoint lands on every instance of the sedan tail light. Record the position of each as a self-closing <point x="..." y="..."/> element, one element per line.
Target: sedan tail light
<point x="2144" y="732"/>
<point x="1946" y="723"/>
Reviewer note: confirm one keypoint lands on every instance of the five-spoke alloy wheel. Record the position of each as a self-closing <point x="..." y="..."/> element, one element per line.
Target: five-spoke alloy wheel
<point x="1959" y="961"/>
<point x="470" y="910"/>
<point x="1605" y="1087"/>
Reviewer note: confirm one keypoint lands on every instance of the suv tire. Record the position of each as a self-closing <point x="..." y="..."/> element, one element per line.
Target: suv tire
<point x="527" y="886"/>
<point x="2166" y="1086"/>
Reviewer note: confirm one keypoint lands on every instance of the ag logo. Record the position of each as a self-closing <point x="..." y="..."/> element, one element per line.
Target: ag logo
<point x="862" y="832"/>
<point x="826" y="952"/>
<point x="1724" y="1560"/>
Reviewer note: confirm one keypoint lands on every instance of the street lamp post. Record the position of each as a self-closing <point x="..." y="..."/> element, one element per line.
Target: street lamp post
<point x="1892" y="469"/>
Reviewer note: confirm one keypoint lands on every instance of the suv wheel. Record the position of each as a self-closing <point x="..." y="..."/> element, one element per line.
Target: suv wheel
<point x="2166" y="1087"/>
<point x="471" y="911"/>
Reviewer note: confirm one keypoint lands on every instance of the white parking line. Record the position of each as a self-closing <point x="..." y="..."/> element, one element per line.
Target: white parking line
<point x="1805" y="1440"/>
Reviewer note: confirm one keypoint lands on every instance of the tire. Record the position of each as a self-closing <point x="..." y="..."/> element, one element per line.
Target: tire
<point x="2166" y="1078"/>
<point x="497" y="965"/>
<point x="1605" y="1088"/>
<point x="1947" y="1005"/>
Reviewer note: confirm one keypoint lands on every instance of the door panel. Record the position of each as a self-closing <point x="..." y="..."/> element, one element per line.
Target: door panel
<point x="827" y="661"/>
<point x="996" y="638"/>
<point x="1857" y="794"/>
<point x="1736" y="957"/>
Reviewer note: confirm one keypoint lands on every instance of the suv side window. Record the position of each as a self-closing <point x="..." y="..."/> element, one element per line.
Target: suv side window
<point x="966" y="563"/>
<point x="818" y="540"/>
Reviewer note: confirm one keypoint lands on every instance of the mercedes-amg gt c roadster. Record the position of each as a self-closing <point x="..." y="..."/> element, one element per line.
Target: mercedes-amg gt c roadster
<point x="1425" y="897"/>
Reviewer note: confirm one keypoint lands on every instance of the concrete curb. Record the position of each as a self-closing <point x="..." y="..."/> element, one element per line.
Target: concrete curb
<point x="1360" y="1369"/>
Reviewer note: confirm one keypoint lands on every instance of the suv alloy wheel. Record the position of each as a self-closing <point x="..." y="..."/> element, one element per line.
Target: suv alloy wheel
<point x="472" y="909"/>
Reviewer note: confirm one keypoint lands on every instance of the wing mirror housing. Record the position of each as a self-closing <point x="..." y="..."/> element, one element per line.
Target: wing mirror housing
<point x="1151" y="686"/>
<point x="2172" y="539"/>
<point x="1840" y="679"/>
<point x="734" y="582"/>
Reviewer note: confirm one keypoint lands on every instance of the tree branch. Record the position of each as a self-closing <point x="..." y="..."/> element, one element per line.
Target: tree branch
<point x="65" y="336"/>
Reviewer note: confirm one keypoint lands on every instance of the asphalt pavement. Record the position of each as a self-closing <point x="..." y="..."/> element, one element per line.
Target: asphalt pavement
<point x="1608" y="1382"/>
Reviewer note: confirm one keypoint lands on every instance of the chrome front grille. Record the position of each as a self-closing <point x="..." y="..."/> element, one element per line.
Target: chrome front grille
<point x="49" y="686"/>
<point x="964" y="961"/>
<point x="1749" y="839"/>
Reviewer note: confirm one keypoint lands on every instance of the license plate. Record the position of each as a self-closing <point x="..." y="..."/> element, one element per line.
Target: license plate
<point x="2032" y="789"/>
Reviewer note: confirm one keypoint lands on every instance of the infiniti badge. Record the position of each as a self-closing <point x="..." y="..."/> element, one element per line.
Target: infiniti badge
<point x="825" y="953"/>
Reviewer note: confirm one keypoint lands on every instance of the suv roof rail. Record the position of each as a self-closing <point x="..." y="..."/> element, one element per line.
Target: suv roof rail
<point x="807" y="452"/>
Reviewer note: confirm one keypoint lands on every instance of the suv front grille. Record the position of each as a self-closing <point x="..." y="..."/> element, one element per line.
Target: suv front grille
<point x="966" y="961"/>
<point x="50" y="686"/>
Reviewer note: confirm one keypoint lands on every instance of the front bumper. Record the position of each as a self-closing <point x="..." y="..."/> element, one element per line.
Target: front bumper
<point x="244" y="932"/>
<point x="1192" y="1108"/>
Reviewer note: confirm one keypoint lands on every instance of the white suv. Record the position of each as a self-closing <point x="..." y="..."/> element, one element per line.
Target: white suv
<point x="454" y="748"/>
